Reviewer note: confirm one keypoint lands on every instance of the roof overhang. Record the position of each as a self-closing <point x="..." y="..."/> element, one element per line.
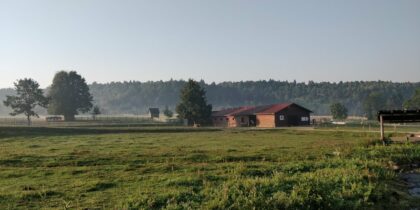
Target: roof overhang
<point x="256" y="110"/>
<point x="286" y="107"/>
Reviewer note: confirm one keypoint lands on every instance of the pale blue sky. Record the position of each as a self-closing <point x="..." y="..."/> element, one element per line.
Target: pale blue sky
<point x="214" y="40"/>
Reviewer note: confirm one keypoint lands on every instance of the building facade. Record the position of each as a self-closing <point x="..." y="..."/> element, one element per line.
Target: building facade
<point x="266" y="116"/>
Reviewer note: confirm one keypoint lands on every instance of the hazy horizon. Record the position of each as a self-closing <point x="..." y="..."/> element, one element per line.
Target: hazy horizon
<point x="219" y="82"/>
<point x="116" y="41"/>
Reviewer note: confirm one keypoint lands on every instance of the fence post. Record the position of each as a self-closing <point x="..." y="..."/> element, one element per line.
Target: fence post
<point x="382" y="129"/>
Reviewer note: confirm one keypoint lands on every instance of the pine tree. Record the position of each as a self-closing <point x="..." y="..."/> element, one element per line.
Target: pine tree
<point x="193" y="105"/>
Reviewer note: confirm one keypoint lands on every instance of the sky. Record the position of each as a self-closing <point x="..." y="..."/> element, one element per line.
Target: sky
<point x="213" y="40"/>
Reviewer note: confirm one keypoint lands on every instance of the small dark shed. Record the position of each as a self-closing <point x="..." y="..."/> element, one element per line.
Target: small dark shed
<point x="154" y="112"/>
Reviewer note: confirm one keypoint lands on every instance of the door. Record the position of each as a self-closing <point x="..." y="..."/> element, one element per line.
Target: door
<point x="252" y="120"/>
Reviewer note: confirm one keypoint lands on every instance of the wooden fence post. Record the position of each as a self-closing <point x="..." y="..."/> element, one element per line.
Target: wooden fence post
<point x="382" y="129"/>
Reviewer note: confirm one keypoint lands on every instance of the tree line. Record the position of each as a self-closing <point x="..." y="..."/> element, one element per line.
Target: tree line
<point x="136" y="97"/>
<point x="359" y="97"/>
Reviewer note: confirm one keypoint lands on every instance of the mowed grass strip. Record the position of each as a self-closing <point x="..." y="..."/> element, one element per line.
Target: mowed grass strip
<point x="211" y="169"/>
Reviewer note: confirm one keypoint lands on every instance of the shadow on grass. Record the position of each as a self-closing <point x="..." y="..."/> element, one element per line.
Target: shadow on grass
<point x="101" y="186"/>
<point x="6" y="132"/>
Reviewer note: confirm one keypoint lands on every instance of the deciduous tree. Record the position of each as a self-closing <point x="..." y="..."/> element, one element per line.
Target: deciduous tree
<point x="372" y="104"/>
<point x="167" y="112"/>
<point x="69" y="95"/>
<point x="28" y="96"/>
<point x="338" y="111"/>
<point x="95" y="111"/>
<point x="414" y="101"/>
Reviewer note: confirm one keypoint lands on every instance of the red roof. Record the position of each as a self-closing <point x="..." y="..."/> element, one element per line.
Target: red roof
<point x="231" y="111"/>
<point x="224" y="112"/>
<point x="242" y="109"/>
<point x="275" y="108"/>
<point x="252" y="110"/>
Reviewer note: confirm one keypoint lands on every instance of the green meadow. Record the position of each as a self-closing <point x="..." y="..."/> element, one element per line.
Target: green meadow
<point x="203" y="168"/>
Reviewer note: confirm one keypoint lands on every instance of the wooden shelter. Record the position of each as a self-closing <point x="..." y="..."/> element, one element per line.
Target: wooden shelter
<point x="154" y="112"/>
<point x="397" y="116"/>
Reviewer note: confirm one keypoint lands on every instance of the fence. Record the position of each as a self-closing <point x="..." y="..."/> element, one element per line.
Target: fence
<point x="87" y="120"/>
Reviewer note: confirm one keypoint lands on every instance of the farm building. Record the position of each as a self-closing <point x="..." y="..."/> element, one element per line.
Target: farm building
<point x="269" y="116"/>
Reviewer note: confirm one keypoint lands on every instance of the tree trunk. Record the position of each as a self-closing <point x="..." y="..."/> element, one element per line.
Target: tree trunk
<point x="29" y="120"/>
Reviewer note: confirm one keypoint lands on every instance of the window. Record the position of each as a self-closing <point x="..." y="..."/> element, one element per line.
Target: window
<point x="242" y="120"/>
<point x="304" y="119"/>
<point x="281" y="117"/>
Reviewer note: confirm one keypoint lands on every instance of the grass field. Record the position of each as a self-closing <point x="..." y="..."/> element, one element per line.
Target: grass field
<point x="178" y="168"/>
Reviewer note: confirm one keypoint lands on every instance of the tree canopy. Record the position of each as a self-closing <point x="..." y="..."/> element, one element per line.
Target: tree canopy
<point x="167" y="112"/>
<point x="28" y="96"/>
<point x="373" y="103"/>
<point x="414" y="101"/>
<point x="95" y="111"/>
<point x="132" y="97"/>
<point x="193" y="104"/>
<point x="338" y="111"/>
<point x="69" y="95"/>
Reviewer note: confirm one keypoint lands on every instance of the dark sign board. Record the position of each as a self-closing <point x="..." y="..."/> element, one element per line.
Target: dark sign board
<point x="399" y="116"/>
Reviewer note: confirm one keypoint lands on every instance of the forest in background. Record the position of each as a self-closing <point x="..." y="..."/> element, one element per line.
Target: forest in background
<point x="136" y="97"/>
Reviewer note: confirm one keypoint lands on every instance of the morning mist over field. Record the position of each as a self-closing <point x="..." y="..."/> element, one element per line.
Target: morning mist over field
<point x="209" y="104"/>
